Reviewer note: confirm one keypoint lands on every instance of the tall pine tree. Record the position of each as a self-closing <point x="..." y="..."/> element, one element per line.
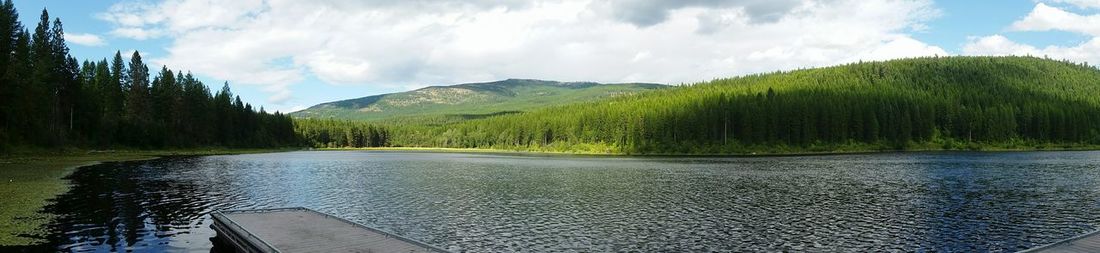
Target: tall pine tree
<point x="43" y="85"/>
<point x="9" y="35"/>
<point x="137" y="105"/>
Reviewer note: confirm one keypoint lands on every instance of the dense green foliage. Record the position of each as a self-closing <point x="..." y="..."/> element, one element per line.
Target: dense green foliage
<point x="49" y="99"/>
<point x="328" y="133"/>
<point x="441" y="104"/>
<point x="941" y="102"/>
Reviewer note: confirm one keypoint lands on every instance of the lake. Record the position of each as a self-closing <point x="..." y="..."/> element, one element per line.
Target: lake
<point x="936" y="201"/>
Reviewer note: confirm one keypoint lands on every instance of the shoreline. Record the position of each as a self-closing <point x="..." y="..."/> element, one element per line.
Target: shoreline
<point x="761" y="154"/>
<point x="29" y="178"/>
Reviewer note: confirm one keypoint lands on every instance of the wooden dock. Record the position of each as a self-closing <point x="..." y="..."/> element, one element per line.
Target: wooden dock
<point x="1089" y="242"/>
<point x="304" y="230"/>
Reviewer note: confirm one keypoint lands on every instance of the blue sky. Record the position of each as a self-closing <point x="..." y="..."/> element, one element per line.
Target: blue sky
<point x="285" y="55"/>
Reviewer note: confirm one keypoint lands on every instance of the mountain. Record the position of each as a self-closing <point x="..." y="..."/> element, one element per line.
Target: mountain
<point x="922" y="103"/>
<point x="471" y="100"/>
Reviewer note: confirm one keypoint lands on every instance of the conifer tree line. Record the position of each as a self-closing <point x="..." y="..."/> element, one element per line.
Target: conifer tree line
<point x="50" y="99"/>
<point x="329" y="133"/>
<point x="932" y="102"/>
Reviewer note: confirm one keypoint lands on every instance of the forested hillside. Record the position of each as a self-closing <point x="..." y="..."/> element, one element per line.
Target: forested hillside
<point x="927" y="103"/>
<point x="50" y="99"/>
<point x="467" y="101"/>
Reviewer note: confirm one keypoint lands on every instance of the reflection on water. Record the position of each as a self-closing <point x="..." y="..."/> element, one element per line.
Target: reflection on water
<point x="474" y="202"/>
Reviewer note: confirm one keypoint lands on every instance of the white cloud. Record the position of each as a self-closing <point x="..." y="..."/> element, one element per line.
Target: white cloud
<point x="132" y="14"/>
<point x="85" y="39"/>
<point x="1044" y="18"/>
<point x="278" y="43"/>
<point x="297" y="108"/>
<point x="996" y="45"/>
<point x="136" y="33"/>
<point x="1088" y="51"/>
<point x="338" y="69"/>
<point x="1047" y="18"/>
<point x="173" y="17"/>
<point x="1087" y="4"/>
<point x="901" y="47"/>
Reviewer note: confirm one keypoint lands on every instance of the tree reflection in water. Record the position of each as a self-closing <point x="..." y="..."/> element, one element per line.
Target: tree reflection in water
<point x="129" y="206"/>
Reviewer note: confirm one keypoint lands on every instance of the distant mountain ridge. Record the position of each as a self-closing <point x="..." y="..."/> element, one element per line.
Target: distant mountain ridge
<point x="488" y="98"/>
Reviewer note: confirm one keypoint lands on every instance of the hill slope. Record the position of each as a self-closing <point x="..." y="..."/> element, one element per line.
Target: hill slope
<point x="924" y="103"/>
<point x="470" y="100"/>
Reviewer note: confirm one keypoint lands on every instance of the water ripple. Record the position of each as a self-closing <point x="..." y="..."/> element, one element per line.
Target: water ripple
<point x="951" y="202"/>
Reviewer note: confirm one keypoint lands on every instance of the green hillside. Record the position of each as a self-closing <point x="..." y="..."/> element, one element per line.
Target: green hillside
<point x="472" y="100"/>
<point x="923" y="103"/>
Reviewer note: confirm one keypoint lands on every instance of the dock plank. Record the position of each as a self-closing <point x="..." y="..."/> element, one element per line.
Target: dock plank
<point x="305" y="230"/>
<point x="1089" y="242"/>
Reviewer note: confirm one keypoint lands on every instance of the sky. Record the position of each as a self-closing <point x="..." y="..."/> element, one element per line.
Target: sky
<point x="286" y="55"/>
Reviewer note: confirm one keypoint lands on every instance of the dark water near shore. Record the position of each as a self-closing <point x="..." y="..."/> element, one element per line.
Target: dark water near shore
<point x="481" y="203"/>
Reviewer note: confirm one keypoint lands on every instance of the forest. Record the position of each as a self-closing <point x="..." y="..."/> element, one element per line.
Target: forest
<point x="932" y="103"/>
<point x="330" y="133"/>
<point x="51" y="99"/>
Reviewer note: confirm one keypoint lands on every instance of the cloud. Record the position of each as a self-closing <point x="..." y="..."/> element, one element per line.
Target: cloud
<point x="645" y="13"/>
<point x="173" y="17"/>
<point x="276" y="44"/>
<point x="901" y="47"/>
<point x="997" y="45"/>
<point x="297" y="108"/>
<point x="338" y="69"/>
<point x="131" y="14"/>
<point x="1088" y="51"/>
<point x="136" y="33"/>
<point x="1085" y="4"/>
<point x="85" y="39"/>
<point x="1047" y="18"/>
<point x="1044" y="18"/>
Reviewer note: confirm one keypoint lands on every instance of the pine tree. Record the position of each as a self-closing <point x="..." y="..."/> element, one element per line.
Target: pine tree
<point x="110" y="100"/>
<point x="49" y="99"/>
<point x="223" y="107"/>
<point x="65" y="73"/>
<point x="44" y="85"/>
<point x="9" y="32"/>
<point x="10" y="29"/>
<point x="22" y="129"/>
<point x="119" y="74"/>
<point x="138" y="115"/>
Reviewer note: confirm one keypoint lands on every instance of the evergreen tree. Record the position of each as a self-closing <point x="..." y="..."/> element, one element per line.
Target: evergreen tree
<point x="9" y="34"/>
<point x="20" y="128"/>
<point x="119" y="73"/>
<point x="44" y="85"/>
<point x="138" y="115"/>
<point x="10" y="29"/>
<point x="65" y="72"/>
<point x="53" y="100"/>
<point x="110" y="102"/>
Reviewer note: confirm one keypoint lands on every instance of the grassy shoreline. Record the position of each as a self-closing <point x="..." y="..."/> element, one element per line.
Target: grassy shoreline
<point x="29" y="178"/>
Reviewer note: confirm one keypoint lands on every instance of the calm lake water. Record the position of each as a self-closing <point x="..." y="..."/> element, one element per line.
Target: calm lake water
<point x="485" y="203"/>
